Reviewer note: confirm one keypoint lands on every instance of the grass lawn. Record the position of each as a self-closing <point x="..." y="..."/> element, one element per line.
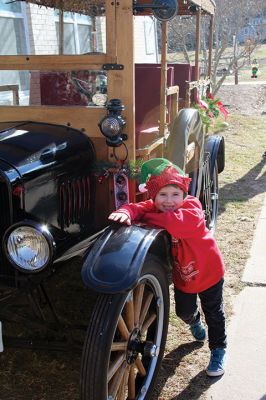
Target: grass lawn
<point x="245" y="72"/>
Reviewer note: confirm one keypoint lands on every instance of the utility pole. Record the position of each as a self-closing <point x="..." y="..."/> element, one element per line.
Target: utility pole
<point x="235" y="59"/>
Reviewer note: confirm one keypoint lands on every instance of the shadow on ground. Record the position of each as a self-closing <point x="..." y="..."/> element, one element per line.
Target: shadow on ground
<point x="245" y="188"/>
<point x="196" y="386"/>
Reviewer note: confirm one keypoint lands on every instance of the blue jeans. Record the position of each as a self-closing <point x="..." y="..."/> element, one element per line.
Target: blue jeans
<point x="212" y="306"/>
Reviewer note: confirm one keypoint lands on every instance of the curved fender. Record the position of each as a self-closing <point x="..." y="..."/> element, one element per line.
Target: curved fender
<point x="214" y="144"/>
<point x="187" y="127"/>
<point x="115" y="261"/>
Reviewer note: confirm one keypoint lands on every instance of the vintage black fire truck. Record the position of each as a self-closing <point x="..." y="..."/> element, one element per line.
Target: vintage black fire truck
<point x="78" y="115"/>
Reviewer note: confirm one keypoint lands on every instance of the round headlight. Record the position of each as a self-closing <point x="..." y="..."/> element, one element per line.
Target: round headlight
<point x="28" y="248"/>
<point x="111" y="126"/>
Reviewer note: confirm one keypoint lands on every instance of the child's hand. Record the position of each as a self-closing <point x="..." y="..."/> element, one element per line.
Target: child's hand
<point x="120" y="217"/>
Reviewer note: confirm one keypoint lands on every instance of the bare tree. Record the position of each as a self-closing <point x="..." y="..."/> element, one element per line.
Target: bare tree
<point x="230" y="19"/>
<point x="181" y="36"/>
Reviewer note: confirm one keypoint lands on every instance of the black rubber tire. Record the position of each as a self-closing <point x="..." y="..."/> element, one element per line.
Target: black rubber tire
<point x="103" y="333"/>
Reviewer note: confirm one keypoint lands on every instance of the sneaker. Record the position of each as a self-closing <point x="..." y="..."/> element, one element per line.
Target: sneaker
<point x="216" y="365"/>
<point x="198" y="331"/>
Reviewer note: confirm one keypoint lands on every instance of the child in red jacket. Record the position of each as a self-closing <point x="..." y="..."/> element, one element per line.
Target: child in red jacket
<point x="198" y="268"/>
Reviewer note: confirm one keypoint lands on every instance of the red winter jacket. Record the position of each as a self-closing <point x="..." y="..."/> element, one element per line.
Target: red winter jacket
<point x="198" y="263"/>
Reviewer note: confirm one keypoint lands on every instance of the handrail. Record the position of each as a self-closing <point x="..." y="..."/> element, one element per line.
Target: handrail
<point x="199" y="85"/>
<point x="173" y="91"/>
<point x="55" y="62"/>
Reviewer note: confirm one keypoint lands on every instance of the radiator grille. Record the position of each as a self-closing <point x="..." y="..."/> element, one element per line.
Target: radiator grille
<point x="4" y="207"/>
<point x="6" y="272"/>
<point x="75" y="200"/>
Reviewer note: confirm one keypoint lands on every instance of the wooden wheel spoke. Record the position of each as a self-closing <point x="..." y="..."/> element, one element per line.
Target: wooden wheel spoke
<point x="148" y="323"/>
<point x="140" y="366"/>
<point x="123" y="385"/>
<point x="115" y="365"/>
<point x="129" y="313"/>
<point x="138" y="297"/>
<point x="117" y="381"/>
<point x="123" y="328"/>
<point x="119" y="346"/>
<point x="125" y="331"/>
<point x="145" y="308"/>
<point x="132" y="384"/>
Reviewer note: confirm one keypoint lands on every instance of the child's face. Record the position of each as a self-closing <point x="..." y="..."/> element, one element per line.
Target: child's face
<point x="169" y="198"/>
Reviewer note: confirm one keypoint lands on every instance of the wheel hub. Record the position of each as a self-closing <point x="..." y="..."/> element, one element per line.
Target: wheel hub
<point x="135" y="346"/>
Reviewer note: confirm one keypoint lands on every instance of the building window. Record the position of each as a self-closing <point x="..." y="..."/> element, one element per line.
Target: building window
<point x="80" y="33"/>
<point x="13" y="42"/>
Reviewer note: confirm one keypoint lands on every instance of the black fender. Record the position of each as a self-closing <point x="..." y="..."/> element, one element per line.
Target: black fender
<point x="214" y="144"/>
<point x="115" y="262"/>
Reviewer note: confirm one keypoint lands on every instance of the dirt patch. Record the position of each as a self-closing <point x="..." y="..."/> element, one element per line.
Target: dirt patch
<point x="245" y="99"/>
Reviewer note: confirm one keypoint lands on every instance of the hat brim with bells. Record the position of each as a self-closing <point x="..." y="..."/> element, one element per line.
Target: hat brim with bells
<point x="159" y="172"/>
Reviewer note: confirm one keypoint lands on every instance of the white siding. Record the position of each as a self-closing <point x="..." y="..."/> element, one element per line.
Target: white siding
<point x="146" y="49"/>
<point x="42" y="31"/>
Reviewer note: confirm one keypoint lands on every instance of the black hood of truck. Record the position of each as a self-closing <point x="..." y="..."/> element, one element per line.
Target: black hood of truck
<point x="28" y="146"/>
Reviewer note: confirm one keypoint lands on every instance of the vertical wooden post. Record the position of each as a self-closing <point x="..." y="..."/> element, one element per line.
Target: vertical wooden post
<point x="197" y="50"/>
<point x="93" y="34"/>
<point x="235" y="57"/>
<point x="163" y="99"/>
<point x="210" y="46"/>
<point x="61" y="30"/>
<point x="111" y="37"/>
<point x="198" y="33"/>
<point x="121" y="83"/>
<point x="187" y="96"/>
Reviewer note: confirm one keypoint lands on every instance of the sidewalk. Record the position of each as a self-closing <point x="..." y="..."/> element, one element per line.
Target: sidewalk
<point x="245" y="376"/>
<point x="251" y="82"/>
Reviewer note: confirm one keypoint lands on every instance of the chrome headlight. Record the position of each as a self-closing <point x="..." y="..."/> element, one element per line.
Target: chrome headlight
<point x="29" y="248"/>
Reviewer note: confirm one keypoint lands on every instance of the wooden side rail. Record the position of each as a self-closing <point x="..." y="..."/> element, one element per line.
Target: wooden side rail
<point x="173" y="91"/>
<point x="145" y="151"/>
<point x="201" y="86"/>
<point x="14" y="90"/>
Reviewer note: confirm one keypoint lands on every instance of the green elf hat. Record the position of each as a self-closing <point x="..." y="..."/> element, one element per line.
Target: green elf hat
<point x="159" y="172"/>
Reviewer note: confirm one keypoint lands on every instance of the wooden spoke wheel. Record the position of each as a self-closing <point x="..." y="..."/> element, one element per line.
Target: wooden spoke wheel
<point x="209" y="193"/>
<point x="126" y="338"/>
